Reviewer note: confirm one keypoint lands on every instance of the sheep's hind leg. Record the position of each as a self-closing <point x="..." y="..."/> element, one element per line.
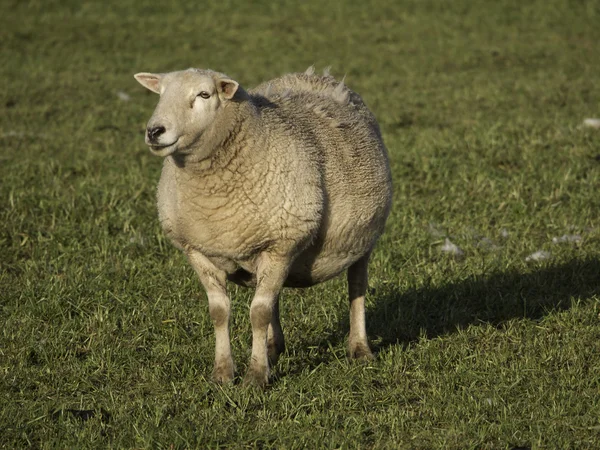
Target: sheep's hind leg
<point x="271" y="274"/>
<point x="219" y="307"/>
<point x="358" y="345"/>
<point x="275" y="339"/>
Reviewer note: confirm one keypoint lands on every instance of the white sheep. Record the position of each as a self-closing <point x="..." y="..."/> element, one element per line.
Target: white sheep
<point x="285" y="185"/>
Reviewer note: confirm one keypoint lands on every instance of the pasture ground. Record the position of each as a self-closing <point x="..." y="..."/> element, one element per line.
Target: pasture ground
<point x="105" y="339"/>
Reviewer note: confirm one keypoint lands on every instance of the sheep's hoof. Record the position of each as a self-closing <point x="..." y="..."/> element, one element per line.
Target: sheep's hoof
<point x="257" y="377"/>
<point x="223" y="373"/>
<point x="361" y="351"/>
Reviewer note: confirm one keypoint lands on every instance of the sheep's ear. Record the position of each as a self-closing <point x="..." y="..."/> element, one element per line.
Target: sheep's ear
<point x="227" y="87"/>
<point x="150" y="81"/>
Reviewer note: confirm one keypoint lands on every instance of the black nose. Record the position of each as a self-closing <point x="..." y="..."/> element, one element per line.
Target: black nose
<point x="154" y="133"/>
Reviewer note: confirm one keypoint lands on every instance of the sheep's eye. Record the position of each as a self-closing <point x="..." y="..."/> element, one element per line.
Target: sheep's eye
<point x="204" y="95"/>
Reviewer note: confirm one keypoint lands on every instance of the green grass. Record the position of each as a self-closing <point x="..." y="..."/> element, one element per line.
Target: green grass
<point x="105" y="339"/>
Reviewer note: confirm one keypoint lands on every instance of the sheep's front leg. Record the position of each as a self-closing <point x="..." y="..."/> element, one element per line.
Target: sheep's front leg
<point x="264" y="312"/>
<point x="358" y="346"/>
<point x="219" y="307"/>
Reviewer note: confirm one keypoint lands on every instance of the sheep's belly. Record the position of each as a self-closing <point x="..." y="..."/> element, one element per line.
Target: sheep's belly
<point x="322" y="269"/>
<point x="297" y="278"/>
<point x="305" y="272"/>
<point x="321" y="261"/>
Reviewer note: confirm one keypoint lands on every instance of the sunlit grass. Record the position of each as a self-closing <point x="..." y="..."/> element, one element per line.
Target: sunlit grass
<point x="105" y="338"/>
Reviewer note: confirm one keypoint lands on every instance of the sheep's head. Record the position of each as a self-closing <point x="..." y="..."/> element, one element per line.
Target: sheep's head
<point x="189" y="102"/>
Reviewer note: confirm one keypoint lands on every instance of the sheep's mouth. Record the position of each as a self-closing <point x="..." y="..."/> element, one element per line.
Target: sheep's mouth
<point x="163" y="150"/>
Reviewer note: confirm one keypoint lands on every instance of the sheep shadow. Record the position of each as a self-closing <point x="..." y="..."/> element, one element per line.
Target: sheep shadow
<point x="399" y="317"/>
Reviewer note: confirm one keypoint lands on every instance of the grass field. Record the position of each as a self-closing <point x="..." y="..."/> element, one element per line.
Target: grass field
<point x="105" y="338"/>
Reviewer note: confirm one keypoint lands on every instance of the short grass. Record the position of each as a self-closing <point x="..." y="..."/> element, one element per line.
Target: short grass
<point x="105" y="339"/>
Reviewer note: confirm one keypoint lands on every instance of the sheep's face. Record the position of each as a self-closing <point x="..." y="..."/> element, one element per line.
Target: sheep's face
<point x="189" y="102"/>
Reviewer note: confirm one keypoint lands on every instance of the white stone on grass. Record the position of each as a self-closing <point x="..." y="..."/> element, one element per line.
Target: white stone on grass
<point x="124" y="96"/>
<point x="567" y="238"/>
<point x="487" y="244"/>
<point x="592" y="123"/>
<point x="540" y="255"/>
<point x="451" y="248"/>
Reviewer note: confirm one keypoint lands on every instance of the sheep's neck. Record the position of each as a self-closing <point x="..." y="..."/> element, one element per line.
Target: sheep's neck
<point x="220" y="145"/>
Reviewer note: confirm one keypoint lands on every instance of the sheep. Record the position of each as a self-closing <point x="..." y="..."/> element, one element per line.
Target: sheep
<point x="288" y="184"/>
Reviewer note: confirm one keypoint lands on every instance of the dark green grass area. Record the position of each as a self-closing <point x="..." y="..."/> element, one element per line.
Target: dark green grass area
<point x="105" y="339"/>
